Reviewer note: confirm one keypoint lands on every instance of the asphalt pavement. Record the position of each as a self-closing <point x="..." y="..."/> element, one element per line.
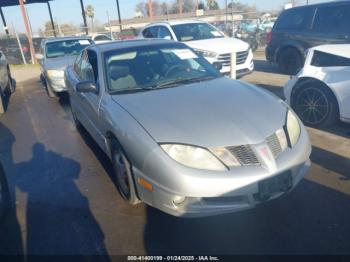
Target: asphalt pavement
<point x="64" y="200"/>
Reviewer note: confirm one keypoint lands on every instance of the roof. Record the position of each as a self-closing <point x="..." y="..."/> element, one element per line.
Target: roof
<point x="4" y="3"/>
<point x="178" y="22"/>
<point x="120" y="44"/>
<point x="339" y="50"/>
<point x="330" y="3"/>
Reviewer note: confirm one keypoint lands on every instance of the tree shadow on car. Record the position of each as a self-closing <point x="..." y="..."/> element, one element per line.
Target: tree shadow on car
<point x="312" y="219"/>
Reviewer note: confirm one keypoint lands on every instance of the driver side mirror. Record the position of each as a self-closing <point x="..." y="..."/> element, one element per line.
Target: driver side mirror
<point x="217" y="65"/>
<point x="86" y="87"/>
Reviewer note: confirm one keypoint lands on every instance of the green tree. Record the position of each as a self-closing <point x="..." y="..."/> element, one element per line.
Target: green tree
<point x="212" y="5"/>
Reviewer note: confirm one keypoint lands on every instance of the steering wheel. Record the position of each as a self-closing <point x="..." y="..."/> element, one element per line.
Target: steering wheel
<point x="173" y="67"/>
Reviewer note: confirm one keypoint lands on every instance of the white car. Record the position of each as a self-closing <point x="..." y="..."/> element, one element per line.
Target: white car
<point x="320" y="92"/>
<point x="100" y="38"/>
<point x="206" y="40"/>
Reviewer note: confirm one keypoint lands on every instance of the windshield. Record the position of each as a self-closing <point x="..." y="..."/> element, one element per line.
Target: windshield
<point x="195" y="31"/>
<point x="155" y="67"/>
<point x="66" y="47"/>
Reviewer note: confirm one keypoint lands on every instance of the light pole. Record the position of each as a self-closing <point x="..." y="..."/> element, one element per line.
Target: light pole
<point x="119" y="19"/>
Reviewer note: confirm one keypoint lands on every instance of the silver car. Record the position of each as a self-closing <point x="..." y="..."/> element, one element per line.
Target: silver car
<point x="7" y="85"/>
<point x="55" y="55"/>
<point x="181" y="137"/>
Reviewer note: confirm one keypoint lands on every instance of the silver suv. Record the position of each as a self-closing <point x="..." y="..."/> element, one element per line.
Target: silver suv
<point x="7" y="86"/>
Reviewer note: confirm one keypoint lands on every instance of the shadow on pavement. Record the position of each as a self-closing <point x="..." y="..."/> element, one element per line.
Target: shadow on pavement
<point x="339" y="129"/>
<point x="266" y="67"/>
<point x="331" y="161"/>
<point x="57" y="217"/>
<point x="309" y="220"/>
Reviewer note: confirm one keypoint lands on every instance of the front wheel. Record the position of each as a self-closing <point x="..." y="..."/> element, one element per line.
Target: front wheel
<point x="10" y="85"/>
<point x="49" y="90"/>
<point x="315" y="104"/>
<point x="290" y="61"/>
<point x="122" y="170"/>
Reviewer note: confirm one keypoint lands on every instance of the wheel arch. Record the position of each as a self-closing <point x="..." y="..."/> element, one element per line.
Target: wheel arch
<point x="296" y="47"/>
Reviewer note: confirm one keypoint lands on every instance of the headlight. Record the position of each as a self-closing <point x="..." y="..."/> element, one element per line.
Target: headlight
<point x="55" y="73"/>
<point x="293" y="128"/>
<point x="206" y="53"/>
<point x="194" y="157"/>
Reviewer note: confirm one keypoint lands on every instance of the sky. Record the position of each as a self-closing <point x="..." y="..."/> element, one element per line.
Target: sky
<point x="68" y="11"/>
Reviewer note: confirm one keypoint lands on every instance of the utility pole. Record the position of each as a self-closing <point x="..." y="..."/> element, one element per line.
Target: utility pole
<point x="29" y="33"/>
<point x="4" y="22"/>
<point x="84" y="16"/>
<point x="225" y="13"/>
<point x="119" y="19"/>
<point x="51" y="19"/>
<point x="150" y="9"/>
<point x="180" y="7"/>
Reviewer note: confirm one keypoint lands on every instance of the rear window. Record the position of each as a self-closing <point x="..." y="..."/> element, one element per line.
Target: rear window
<point x="292" y="19"/>
<point x="332" y="19"/>
<point x="321" y="59"/>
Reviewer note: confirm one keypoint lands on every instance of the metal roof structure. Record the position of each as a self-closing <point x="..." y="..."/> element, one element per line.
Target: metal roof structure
<point x="4" y="3"/>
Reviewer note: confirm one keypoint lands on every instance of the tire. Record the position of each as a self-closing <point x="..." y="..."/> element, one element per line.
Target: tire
<point x="4" y="194"/>
<point x="122" y="172"/>
<point x="11" y="85"/>
<point x="2" y="106"/>
<point x="49" y="91"/>
<point x="315" y="104"/>
<point x="77" y="123"/>
<point x="290" y="61"/>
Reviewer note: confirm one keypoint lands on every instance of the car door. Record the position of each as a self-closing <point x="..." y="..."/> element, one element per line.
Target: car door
<point x="331" y="25"/>
<point x="89" y="102"/>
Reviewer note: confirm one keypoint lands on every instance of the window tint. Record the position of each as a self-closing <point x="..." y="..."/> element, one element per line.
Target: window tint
<point x="195" y="31"/>
<point x="321" y="59"/>
<point x="292" y="19"/>
<point x="92" y="58"/>
<point x="336" y="19"/>
<point x="164" y="32"/>
<point x="150" y="32"/>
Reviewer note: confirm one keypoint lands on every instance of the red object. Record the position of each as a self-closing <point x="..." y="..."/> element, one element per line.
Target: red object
<point x="269" y="37"/>
<point x="25" y="49"/>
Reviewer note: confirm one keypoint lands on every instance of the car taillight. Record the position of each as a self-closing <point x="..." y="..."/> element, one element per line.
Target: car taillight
<point x="269" y="37"/>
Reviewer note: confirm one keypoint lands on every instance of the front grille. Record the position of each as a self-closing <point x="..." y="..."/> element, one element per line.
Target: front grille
<point x="244" y="154"/>
<point x="274" y="145"/>
<point x="241" y="57"/>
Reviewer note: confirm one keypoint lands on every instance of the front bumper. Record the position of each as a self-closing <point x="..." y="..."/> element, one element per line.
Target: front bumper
<point x="214" y="193"/>
<point x="57" y="84"/>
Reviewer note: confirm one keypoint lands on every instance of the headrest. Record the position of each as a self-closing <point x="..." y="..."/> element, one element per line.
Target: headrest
<point x="117" y="72"/>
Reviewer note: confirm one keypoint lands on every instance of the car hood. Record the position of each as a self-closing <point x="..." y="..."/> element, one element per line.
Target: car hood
<point x="219" y="112"/>
<point x="59" y="63"/>
<point x="219" y="45"/>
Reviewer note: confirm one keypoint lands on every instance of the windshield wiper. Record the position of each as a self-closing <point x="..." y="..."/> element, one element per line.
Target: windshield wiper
<point x="179" y="81"/>
<point x="131" y="90"/>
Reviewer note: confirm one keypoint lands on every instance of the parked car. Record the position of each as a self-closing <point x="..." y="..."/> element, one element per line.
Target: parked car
<point x="100" y="38"/>
<point x="300" y="28"/>
<point x="320" y="92"/>
<point x="55" y="55"/>
<point x="127" y="34"/>
<point x="267" y="25"/>
<point x="182" y="137"/>
<point x="206" y="40"/>
<point x="7" y="85"/>
<point x="4" y="193"/>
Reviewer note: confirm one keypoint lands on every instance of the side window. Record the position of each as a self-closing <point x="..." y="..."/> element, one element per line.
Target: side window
<point x="86" y="72"/>
<point x="150" y="32"/>
<point x="332" y="19"/>
<point x="77" y="63"/>
<point x="321" y="59"/>
<point x="92" y="58"/>
<point x="164" y="33"/>
<point x="292" y="19"/>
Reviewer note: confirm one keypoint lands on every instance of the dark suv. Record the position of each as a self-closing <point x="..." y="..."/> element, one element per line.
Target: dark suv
<point x="300" y="28"/>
